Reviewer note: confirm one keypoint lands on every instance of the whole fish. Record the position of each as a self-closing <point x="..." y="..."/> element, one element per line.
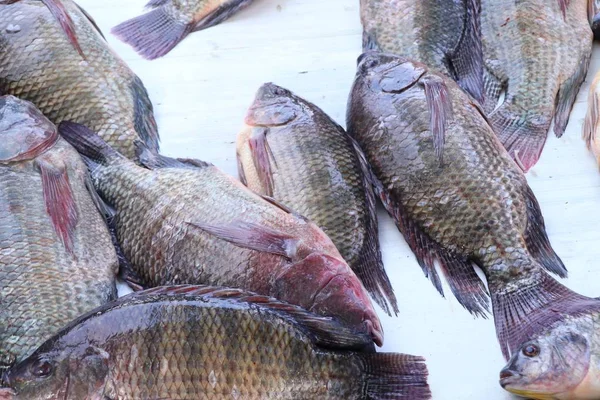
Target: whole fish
<point x="185" y="222"/>
<point x="157" y="32"/>
<point x="560" y="362"/>
<point x="292" y="151"/>
<point x="57" y="260"/>
<point x="212" y="343"/>
<point x="537" y="53"/>
<point x="53" y="54"/>
<point x="445" y="35"/>
<point x="456" y="195"/>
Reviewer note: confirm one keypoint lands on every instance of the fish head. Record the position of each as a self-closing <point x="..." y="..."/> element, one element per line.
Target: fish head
<point x="388" y="73"/>
<point x="273" y="106"/>
<point x="25" y="132"/>
<point x="70" y="373"/>
<point x="552" y="365"/>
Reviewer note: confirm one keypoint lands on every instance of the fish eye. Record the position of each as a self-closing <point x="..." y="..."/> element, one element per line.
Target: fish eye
<point x="42" y="368"/>
<point x="531" y="350"/>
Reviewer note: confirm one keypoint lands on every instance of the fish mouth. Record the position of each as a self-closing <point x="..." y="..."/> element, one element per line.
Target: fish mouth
<point x="507" y="377"/>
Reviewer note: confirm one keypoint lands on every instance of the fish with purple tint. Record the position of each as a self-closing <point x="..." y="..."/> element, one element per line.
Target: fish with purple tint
<point x="457" y="196"/>
<point x="186" y="222"/>
<point x="57" y="259"/>
<point x="157" y="32"/>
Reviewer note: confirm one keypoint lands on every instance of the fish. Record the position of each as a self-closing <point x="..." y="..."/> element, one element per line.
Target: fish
<point x="53" y="54"/>
<point x="156" y="33"/>
<point x="536" y="54"/>
<point x="445" y="35"/>
<point x="186" y="222"/>
<point x="191" y="342"/>
<point x="559" y="362"/>
<point x="290" y="150"/>
<point x="57" y="259"/>
<point x="457" y="196"/>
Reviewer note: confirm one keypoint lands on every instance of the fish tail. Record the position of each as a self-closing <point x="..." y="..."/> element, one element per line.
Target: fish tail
<point x="395" y="376"/>
<point x="88" y="143"/>
<point x="567" y="94"/>
<point x="524" y="307"/>
<point x="523" y="137"/>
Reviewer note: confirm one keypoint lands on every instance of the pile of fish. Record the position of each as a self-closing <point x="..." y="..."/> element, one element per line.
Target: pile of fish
<point x="261" y="288"/>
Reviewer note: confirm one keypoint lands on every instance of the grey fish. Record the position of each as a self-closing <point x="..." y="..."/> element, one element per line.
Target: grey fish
<point x="292" y="151"/>
<point x="457" y="196"/>
<point x="185" y="222"/>
<point x="443" y="34"/>
<point x="57" y="260"/>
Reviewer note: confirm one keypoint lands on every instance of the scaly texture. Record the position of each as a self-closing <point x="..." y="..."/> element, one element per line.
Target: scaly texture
<point x="38" y="63"/>
<point x="315" y="170"/>
<point x="43" y="283"/>
<point x="539" y="57"/>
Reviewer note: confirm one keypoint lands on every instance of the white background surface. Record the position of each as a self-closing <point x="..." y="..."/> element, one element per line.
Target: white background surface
<point x="202" y="89"/>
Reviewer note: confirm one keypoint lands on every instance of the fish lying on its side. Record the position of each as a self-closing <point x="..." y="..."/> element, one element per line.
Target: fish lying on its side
<point x="292" y="151"/>
<point x="537" y="52"/>
<point x="57" y="260"/>
<point x="185" y="222"/>
<point x="192" y="342"/>
<point x="445" y="35"/>
<point x="53" y="54"/>
<point x="157" y="32"/>
<point x="457" y="196"/>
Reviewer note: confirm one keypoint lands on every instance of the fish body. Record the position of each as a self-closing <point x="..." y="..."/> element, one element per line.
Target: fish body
<point x="57" y="260"/>
<point x="445" y="35"/>
<point x="537" y="53"/>
<point x="456" y="195"/>
<point x="292" y="151"/>
<point x="40" y="63"/>
<point x="203" y="342"/>
<point x="157" y="32"/>
<point x="181" y="222"/>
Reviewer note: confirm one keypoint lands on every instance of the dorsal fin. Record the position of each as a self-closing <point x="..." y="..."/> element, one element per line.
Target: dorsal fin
<point x="326" y="332"/>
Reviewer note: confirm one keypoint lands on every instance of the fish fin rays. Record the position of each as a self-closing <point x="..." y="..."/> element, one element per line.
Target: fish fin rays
<point x="440" y="109"/>
<point x="262" y="157"/>
<point x="152" y="160"/>
<point x="396" y="376"/>
<point x="325" y="332"/>
<point x="60" y="13"/>
<point x="144" y="122"/>
<point x="221" y="13"/>
<point x="592" y="119"/>
<point x="567" y="95"/>
<point x="87" y="142"/>
<point x="564" y="4"/>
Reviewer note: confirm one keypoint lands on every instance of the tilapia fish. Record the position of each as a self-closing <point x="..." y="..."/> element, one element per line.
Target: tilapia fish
<point x="53" y="54"/>
<point x="456" y="195"/>
<point x="181" y="222"/>
<point x="537" y="53"/>
<point x="57" y="260"/>
<point x="292" y="151"/>
<point x="445" y="35"/>
<point x="214" y="343"/>
<point x="157" y="32"/>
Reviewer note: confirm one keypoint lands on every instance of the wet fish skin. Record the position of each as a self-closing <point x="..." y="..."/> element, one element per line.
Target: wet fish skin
<point x="157" y="32"/>
<point x="538" y="52"/>
<point x="292" y="151"/>
<point x="54" y="265"/>
<point x="559" y="363"/>
<point x="445" y="35"/>
<point x="194" y="342"/>
<point x="98" y="89"/>
<point x="190" y="223"/>
<point x="457" y="196"/>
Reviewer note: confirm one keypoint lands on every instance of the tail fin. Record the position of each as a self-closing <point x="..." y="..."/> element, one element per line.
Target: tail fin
<point x="395" y="376"/>
<point x="523" y="138"/>
<point x="88" y="143"/>
<point x="533" y="306"/>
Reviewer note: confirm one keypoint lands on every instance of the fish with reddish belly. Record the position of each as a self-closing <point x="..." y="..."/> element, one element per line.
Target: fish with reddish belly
<point x="445" y="35"/>
<point x="186" y="222"/>
<point x="537" y="52"/>
<point x="53" y="54"/>
<point x="157" y="32"/>
<point x="193" y="342"/>
<point x="57" y="260"/>
<point x="457" y="196"/>
<point x="292" y="151"/>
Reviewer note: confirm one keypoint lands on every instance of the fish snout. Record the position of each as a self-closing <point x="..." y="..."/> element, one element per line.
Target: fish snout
<point x="270" y="90"/>
<point x="506" y="375"/>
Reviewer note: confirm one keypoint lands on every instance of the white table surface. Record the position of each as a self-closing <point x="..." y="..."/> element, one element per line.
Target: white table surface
<point x="202" y="89"/>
